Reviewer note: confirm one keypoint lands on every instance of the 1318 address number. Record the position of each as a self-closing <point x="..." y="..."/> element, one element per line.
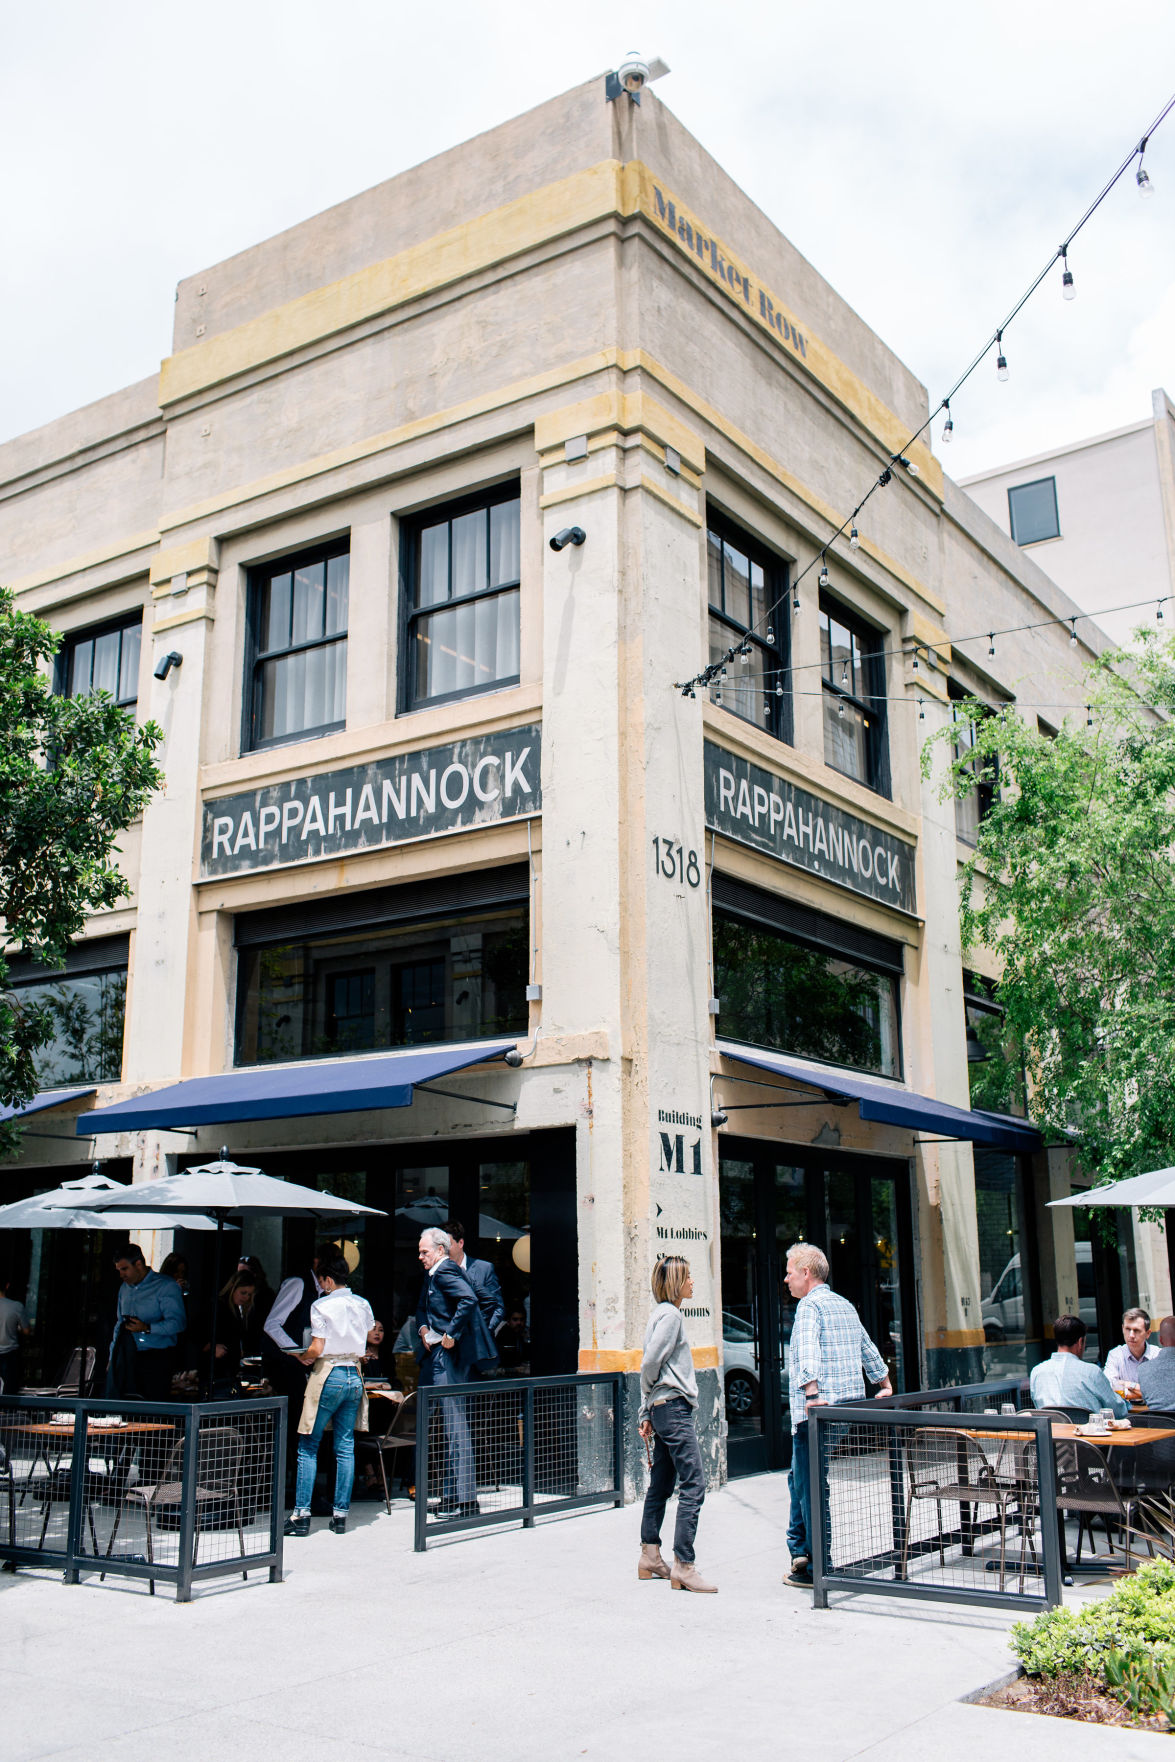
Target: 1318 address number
<point x="675" y="863"/>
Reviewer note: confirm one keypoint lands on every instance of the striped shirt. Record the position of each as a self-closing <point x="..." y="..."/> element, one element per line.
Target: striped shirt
<point x="829" y="1347"/>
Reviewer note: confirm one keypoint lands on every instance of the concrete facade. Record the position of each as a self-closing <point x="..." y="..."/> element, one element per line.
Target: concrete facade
<point x="1116" y="511"/>
<point x="584" y="303"/>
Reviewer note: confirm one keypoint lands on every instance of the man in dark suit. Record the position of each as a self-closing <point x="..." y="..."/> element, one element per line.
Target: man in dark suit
<point x="453" y="1342"/>
<point x="481" y="1276"/>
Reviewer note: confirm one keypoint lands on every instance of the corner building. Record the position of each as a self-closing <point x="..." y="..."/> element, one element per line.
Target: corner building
<point x="432" y="796"/>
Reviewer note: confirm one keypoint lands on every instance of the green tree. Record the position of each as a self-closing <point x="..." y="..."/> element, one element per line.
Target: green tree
<point x="1072" y="887"/>
<point x="74" y="773"/>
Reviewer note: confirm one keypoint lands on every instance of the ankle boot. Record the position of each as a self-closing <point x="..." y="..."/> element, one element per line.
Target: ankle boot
<point x="651" y="1564"/>
<point x="685" y="1577"/>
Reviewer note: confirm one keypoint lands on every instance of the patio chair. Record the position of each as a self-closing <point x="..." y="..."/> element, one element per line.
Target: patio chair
<point x="949" y="1467"/>
<point x="69" y="1376"/>
<point x="218" y="1472"/>
<point x="1086" y="1486"/>
<point x="8" y="1482"/>
<point x="400" y="1435"/>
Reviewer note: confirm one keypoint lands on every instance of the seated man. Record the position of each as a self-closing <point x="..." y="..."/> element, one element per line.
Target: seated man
<point x="1125" y="1361"/>
<point x="1064" y="1381"/>
<point x="1156" y="1378"/>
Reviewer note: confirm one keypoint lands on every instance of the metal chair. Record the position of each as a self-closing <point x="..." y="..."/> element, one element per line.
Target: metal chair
<point x="949" y="1467"/>
<point x="400" y="1435"/>
<point x="218" y="1471"/>
<point x="71" y="1375"/>
<point x="1086" y="1486"/>
<point x="8" y="1482"/>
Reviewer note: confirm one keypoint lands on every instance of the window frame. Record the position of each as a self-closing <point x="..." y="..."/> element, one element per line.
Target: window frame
<point x="95" y="958"/>
<point x="987" y="787"/>
<point x="1044" y="537"/>
<point x="776" y="656"/>
<point x="411" y="527"/>
<point x="872" y="706"/>
<point x="257" y="575"/>
<point x="72" y="639"/>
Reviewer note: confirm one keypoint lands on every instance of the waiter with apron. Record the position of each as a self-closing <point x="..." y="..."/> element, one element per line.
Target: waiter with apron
<point x="339" y="1325"/>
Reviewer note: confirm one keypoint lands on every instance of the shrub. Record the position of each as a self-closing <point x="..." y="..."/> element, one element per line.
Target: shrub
<point x="1125" y="1644"/>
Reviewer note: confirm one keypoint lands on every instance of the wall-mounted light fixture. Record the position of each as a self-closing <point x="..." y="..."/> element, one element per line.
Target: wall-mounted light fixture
<point x="165" y="664"/>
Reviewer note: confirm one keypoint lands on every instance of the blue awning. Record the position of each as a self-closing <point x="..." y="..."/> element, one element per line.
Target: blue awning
<point x="47" y="1098"/>
<point x="891" y="1105"/>
<point x="286" y="1092"/>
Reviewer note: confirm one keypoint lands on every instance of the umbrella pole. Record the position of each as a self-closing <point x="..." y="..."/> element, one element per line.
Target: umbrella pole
<point x="215" y="1302"/>
<point x="89" y="1254"/>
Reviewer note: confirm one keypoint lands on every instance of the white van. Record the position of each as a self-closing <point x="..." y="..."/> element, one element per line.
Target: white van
<point x="1003" y="1310"/>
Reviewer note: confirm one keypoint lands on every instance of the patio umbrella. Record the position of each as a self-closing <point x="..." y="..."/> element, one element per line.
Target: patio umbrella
<point x="1156" y="1188"/>
<point x="47" y="1211"/>
<point x="223" y="1189"/>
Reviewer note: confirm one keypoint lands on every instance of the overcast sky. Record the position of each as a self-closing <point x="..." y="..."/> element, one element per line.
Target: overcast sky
<point x="926" y="158"/>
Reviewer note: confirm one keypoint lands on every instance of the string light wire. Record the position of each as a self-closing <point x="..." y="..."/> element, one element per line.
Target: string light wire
<point x="885" y="476"/>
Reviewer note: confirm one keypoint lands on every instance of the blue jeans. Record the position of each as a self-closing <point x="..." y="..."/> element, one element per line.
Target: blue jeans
<point x="677" y="1458"/>
<point x="459" y="1486"/>
<point x="799" y="1527"/>
<point x="341" y="1396"/>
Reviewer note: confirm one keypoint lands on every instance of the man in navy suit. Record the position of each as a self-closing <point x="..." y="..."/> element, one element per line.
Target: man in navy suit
<point x="453" y="1341"/>
<point x="481" y="1276"/>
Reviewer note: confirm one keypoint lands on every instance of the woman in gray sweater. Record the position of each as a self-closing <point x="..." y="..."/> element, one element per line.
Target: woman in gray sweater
<point x="669" y="1399"/>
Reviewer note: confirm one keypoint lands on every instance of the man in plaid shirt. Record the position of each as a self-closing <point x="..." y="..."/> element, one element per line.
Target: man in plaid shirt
<point x="828" y="1352"/>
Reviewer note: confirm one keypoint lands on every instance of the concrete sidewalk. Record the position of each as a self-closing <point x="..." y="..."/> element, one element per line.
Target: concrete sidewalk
<point x="515" y="1646"/>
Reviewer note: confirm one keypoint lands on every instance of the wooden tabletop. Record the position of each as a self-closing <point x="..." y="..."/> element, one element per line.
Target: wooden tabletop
<point x="47" y="1430"/>
<point x="1132" y="1438"/>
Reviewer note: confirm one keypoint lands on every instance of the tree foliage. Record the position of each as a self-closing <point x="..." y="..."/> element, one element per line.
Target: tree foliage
<point x="74" y="773"/>
<point x="1072" y="887"/>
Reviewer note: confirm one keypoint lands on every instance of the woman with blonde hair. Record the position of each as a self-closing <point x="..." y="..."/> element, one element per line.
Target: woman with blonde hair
<point x="669" y="1399"/>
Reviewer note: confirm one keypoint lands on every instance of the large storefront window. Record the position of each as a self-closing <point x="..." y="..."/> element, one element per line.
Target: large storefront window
<point x="1009" y="1298"/>
<point x="405" y="966"/>
<point x="778" y="990"/>
<point x="85" y="1005"/>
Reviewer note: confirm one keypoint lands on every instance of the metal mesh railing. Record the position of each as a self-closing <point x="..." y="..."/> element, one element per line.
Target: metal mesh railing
<point x="513" y="1450"/>
<point x="153" y="1490"/>
<point x="937" y="1505"/>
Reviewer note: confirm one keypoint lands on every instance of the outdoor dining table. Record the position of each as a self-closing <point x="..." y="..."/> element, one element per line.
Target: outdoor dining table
<point x="62" y="1431"/>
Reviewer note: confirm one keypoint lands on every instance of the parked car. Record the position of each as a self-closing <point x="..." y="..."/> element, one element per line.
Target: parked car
<point x="740" y="1356"/>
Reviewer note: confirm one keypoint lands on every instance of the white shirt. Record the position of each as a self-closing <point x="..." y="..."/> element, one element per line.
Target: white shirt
<point x="1122" y="1366"/>
<point x="284" y="1304"/>
<point x="343" y="1320"/>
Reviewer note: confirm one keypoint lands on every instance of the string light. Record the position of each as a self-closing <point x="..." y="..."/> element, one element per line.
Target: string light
<point x="1159" y="613"/>
<point x="1068" y="291"/>
<point x="991" y="642"/>
<point x="844" y="675"/>
<point x="915" y="665"/>
<point x="921" y="711"/>
<point x="885" y="476"/>
<point x="1072" y="633"/>
<point x="1089" y="716"/>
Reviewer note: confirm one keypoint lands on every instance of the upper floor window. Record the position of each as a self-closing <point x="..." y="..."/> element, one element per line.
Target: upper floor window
<point x="461" y="570"/>
<point x="297" y="636"/>
<point x="972" y="808"/>
<point x="747" y="598"/>
<point x="853" y="668"/>
<point x="84" y="1004"/>
<point x="1032" y="511"/>
<point x="103" y="658"/>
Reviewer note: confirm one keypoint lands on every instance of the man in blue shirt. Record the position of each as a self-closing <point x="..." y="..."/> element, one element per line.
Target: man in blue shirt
<point x="1064" y="1381"/>
<point x="150" y="1320"/>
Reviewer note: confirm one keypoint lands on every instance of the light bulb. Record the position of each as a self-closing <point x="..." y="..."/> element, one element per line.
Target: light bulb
<point x="778" y="689"/>
<point x="1068" y="291"/>
<point x="1072" y="633"/>
<point x="948" y="430"/>
<point x="991" y="642"/>
<point x="1159" y="613"/>
<point x="824" y="575"/>
<point x="795" y="601"/>
<point x="744" y="655"/>
<point x="921" y="711"/>
<point x="1145" y="186"/>
<point x="1001" y="367"/>
<point x="770" y="637"/>
<point x="1088" y="716"/>
<point x="840" y="710"/>
<point x="854" y="539"/>
<point x="915" y="660"/>
<point x="844" y="675"/>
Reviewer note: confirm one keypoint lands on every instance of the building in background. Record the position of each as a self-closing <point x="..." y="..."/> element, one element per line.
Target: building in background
<point x="439" y="498"/>
<point x="1098" y="516"/>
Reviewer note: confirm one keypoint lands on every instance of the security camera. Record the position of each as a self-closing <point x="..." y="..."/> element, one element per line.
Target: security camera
<point x="164" y="666"/>
<point x="570" y="535"/>
<point x="633" y="73"/>
<point x="514" y="1058"/>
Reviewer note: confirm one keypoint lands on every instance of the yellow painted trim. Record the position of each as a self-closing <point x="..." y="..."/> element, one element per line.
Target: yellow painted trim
<point x="627" y="412"/>
<point x="530" y="220"/>
<point x="704" y="1357"/>
<point x="533" y="219"/>
<point x="628" y="1360"/>
<point x="192" y="617"/>
<point x="572" y="493"/>
<point x="664" y="495"/>
<point x="955" y="1337"/>
<point x="184" y="559"/>
<point x="107" y="553"/>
